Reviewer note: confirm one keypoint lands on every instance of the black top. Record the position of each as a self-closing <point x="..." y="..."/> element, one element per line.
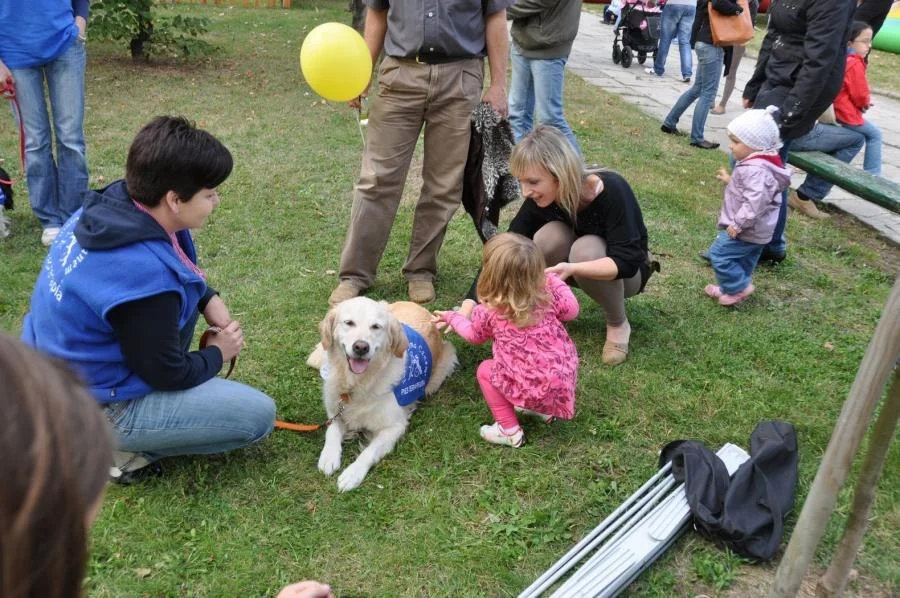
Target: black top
<point x="148" y="331"/>
<point x="614" y="216"/>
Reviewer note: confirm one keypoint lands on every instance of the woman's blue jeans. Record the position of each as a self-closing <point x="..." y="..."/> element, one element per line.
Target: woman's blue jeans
<point x="703" y="91"/>
<point x="840" y="142"/>
<point x="675" y="23"/>
<point x="216" y="416"/>
<point x="536" y="93"/>
<point x="54" y="187"/>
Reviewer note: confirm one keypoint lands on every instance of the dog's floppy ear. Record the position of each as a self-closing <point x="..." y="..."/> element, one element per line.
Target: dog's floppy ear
<point x="326" y="328"/>
<point x="399" y="342"/>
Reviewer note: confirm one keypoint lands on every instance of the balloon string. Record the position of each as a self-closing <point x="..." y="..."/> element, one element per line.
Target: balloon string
<point x="359" y="119"/>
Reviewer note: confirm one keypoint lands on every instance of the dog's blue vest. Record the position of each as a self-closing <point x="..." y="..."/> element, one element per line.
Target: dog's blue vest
<point x="418" y="369"/>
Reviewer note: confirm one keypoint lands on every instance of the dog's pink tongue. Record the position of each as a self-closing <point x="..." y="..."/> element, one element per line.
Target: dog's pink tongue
<point x="358" y="366"/>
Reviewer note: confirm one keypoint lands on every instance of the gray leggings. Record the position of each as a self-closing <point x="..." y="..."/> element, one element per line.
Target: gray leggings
<point x="559" y="244"/>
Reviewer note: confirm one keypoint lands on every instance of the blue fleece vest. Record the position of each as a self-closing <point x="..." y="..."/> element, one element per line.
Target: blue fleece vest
<point x="77" y="288"/>
<point x="418" y="369"/>
<point x="35" y="32"/>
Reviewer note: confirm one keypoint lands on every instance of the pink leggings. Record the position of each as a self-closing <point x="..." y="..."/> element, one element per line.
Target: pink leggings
<point x="503" y="411"/>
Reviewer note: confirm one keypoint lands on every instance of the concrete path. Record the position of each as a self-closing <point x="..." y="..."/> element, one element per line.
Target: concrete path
<point x="591" y="59"/>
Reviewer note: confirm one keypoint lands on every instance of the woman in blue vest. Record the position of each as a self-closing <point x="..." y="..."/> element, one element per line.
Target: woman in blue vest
<point x="120" y="293"/>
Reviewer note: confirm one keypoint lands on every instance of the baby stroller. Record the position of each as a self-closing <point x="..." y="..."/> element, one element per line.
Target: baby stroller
<point x="638" y="28"/>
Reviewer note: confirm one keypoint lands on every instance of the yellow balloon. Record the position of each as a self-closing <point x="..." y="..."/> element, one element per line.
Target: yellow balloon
<point x="335" y="61"/>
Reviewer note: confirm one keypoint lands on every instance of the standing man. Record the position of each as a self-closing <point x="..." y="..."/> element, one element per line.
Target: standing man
<point x="676" y="24"/>
<point x="542" y="36"/>
<point x="432" y="75"/>
<point x="42" y="42"/>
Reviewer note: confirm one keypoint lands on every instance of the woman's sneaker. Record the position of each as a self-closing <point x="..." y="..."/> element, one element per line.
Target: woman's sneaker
<point x="497" y="435"/>
<point x="131" y="468"/>
<point x="547" y="419"/>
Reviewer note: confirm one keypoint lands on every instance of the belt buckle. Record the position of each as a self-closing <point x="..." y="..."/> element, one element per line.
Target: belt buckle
<point x="419" y="60"/>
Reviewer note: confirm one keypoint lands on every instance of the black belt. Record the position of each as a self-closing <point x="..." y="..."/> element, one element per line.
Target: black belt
<point x="436" y="58"/>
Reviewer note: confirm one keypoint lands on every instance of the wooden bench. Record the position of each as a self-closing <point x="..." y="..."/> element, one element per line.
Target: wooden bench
<point x="877" y="190"/>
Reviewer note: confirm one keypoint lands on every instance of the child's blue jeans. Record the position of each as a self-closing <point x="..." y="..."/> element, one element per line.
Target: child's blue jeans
<point x="733" y="261"/>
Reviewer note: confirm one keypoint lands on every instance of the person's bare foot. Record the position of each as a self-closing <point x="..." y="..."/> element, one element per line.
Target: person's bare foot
<point x="619" y="334"/>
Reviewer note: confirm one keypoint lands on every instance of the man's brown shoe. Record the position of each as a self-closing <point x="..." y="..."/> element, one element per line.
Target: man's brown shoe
<point x="805" y="206"/>
<point x="421" y="291"/>
<point x="342" y="292"/>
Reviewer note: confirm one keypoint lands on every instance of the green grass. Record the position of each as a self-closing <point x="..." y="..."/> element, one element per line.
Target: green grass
<point x="446" y="514"/>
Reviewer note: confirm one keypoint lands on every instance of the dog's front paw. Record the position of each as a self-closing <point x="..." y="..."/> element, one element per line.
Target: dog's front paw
<point x="352" y="477"/>
<point x="329" y="460"/>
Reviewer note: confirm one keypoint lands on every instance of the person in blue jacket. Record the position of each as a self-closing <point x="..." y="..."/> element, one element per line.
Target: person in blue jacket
<point x="120" y="293"/>
<point x="42" y="43"/>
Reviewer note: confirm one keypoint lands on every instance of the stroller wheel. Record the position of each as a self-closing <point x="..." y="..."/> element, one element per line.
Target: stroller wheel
<point x="642" y="57"/>
<point x="626" y="57"/>
<point x="617" y="54"/>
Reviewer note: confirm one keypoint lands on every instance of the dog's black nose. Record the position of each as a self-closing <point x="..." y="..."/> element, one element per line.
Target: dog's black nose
<point x="360" y="348"/>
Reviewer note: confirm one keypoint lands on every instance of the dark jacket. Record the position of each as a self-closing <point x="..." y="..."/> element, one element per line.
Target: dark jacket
<point x="544" y="29"/>
<point x="801" y="62"/>
<point x="701" y="32"/>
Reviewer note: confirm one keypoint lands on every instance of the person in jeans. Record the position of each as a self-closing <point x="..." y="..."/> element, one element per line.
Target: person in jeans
<point x="842" y="143"/>
<point x="737" y="54"/>
<point x="676" y="24"/>
<point x="709" y="70"/>
<point x="43" y="44"/>
<point x="431" y="77"/>
<point x="855" y="96"/>
<point x="800" y="69"/>
<point x="119" y="296"/>
<point x="750" y="204"/>
<point x="542" y="35"/>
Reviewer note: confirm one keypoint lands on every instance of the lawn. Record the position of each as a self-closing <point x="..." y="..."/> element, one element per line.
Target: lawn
<point x="447" y="514"/>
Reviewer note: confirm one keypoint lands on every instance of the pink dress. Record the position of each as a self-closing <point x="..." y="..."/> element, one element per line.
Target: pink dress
<point x="534" y="367"/>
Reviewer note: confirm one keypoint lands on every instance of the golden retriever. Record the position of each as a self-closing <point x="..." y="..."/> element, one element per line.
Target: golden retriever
<point x="363" y="356"/>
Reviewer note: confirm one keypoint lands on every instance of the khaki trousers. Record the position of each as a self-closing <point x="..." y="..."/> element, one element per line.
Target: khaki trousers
<point x="441" y="97"/>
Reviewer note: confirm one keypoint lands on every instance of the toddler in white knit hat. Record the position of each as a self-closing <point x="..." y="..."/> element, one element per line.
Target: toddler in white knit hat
<point x="750" y="209"/>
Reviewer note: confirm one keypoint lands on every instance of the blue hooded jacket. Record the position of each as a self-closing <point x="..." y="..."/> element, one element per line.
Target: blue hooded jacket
<point x="35" y="32"/>
<point x="106" y="254"/>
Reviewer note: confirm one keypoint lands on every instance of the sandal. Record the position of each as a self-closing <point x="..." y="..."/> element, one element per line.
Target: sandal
<point x="497" y="435"/>
<point x="614" y="353"/>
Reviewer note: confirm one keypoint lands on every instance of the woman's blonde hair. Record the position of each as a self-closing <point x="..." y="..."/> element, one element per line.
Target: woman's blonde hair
<point x="546" y="147"/>
<point x="512" y="278"/>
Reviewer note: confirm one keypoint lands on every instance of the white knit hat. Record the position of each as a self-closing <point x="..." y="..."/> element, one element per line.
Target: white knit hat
<point x="757" y="129"/>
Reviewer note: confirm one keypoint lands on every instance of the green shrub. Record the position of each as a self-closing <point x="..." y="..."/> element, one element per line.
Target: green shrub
<point x="146" y="31"/>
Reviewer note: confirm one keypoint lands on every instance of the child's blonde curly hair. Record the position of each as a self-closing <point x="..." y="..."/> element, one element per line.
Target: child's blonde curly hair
<point x="512" y="280"/>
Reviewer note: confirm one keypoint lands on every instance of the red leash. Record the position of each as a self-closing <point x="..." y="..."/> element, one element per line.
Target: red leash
<point x="8" y="91"/>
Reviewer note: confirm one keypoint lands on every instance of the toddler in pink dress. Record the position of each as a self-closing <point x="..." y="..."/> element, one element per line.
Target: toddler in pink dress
<point x="535" y="364"/>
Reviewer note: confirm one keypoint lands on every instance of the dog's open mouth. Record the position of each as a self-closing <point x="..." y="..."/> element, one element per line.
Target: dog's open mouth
<point x="357" y="366"/>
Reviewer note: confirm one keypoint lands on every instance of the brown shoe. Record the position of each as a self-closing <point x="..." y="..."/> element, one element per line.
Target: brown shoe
<point x="805" y="206"/>
<point x="342" y="292"/>
<point x="421" y="291"/>
<point x="614" y="353"/>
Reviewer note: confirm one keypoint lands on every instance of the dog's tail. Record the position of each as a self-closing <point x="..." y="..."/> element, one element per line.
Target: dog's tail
<point x="443" y="366"/>
<point x="317" y="358"/>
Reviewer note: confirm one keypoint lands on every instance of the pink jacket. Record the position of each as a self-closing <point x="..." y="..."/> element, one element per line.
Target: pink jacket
<point x="752" y="197"/>
<point x="534" y="367"/>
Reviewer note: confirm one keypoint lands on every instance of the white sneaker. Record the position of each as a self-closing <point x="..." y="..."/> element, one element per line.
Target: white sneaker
<point x="4" y="223"/>
<point x="497" y="435"/>
<point x="649" y="70"/>
<point x="49" y="235"/>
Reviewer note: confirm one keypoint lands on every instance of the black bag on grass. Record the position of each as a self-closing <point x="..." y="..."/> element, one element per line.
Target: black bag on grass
<point x="748" y="511"/>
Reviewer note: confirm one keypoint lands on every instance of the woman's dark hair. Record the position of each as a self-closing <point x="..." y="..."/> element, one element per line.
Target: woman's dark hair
<point x="856" y="28"/>
<point x="171" y="154"/>
<point x="55" y="453"/>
